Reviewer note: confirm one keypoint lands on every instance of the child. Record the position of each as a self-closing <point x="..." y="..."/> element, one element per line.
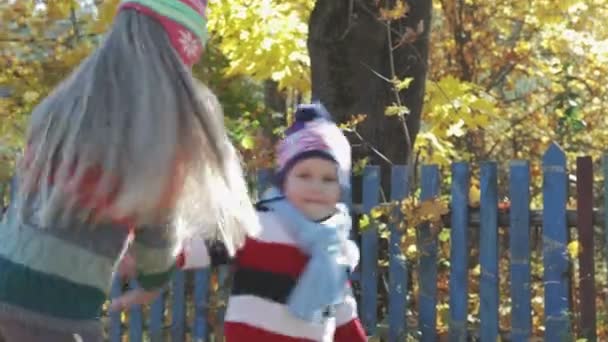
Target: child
<point x="291" y="280"/>
<point x="128" y="142"/>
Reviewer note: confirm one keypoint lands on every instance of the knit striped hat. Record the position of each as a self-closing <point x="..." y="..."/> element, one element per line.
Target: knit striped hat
<point x="314" y="134"/>
<point x="184" y="21"/>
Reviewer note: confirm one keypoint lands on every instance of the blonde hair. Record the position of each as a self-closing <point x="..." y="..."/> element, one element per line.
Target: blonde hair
<point x="133" y="109"/>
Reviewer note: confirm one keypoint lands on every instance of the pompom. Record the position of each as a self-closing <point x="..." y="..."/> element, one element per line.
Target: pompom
<point x="309" y="112"/>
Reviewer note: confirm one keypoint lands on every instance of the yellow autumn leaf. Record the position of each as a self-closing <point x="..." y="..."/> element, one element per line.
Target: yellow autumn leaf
<point x="483" y="106"/>
<point x="400" y="10"/>
<point x="474" y="196"/>
<point x="456" y="129"/>
<point x="359" y="165"/>
<point x="433" y="209"/>
<point x="106" y="12"/>
<point x="453" y="87"/>
<point x="57" y="10"/>
<point x="393" y="110"/>
<point x="481" y="121"/>
<point x="537" y="303"/>
<point x="247" y="142"/>
<point x="364" y="222"/>
<point x="476" y="271"/>
<point x="411" y="251"/>
<point x="352" y="123"/>
<point x="376" y="212"/>
<point x="30" y="96"/>
<point x="402" y="84"/>
<point x="574" y="249"/>
<point x="214" y="281"/>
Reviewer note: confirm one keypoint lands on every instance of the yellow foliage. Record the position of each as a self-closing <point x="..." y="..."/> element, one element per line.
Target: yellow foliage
<point x="402" y="84"/>
<point x="574" y="249"/>
<point x="452" y="108"/>
<point x="474" y="194"/>
<point x="525" y="73"/>
<point x="37" y="50"/>
<point x="495" y="91"/>
<point x="364" y="222"/>
<point x="264" y="39"/>
<point x="400" y="10"/>
<point x="396" y="110"/>
<point x="417" y="212"/>
<point x="359" y="165"/>
<point x="352" y="123"/>
<point x="247" y="142"/>
<point x="106" y="11"/>
<point x="30" y="96"/>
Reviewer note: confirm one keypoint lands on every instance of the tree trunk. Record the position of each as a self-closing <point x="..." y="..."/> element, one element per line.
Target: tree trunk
<point x="349" y="48"/>
<point x="273" y="99"/>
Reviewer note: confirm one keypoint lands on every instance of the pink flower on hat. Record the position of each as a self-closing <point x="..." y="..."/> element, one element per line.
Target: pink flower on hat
<point x="184" y="21"/>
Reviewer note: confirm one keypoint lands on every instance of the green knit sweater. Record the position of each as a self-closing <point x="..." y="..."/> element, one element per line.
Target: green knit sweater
<point x="59" y="277"/>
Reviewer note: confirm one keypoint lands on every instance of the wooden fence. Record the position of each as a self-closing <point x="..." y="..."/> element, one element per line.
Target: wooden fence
<point x="187" y="311"/>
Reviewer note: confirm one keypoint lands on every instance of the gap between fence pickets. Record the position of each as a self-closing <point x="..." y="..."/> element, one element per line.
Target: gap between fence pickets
<point x="536" y="217"/>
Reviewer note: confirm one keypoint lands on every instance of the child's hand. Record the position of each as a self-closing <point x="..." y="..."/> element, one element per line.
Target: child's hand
<point x="137" y="296"/>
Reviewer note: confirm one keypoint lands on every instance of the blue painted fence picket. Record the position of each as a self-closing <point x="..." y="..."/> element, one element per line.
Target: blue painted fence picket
<point x="519" y="244"/>
<point x="555" y="188"/>
<point x="398" y="281"/>
<point x="459" y="253"/>
<point x="369" y="260"/>
<point x="488" y="253"/>
<point x="428" y="261"/>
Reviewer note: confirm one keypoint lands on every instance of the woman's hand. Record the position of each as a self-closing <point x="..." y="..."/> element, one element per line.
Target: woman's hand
<point x="133" y="297"/>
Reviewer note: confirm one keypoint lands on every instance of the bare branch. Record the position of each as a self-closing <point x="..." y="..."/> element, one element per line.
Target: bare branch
<point x="369" y="145"/>
<point x="408" y="139"/>
<point x="351" y="9"/>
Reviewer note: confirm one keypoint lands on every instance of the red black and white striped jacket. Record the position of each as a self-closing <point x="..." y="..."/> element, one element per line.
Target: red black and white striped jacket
<point x="266" y="269"/>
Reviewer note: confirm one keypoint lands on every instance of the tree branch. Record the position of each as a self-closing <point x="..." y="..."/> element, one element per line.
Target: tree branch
<point x="408" y="140"/>
<point x="351" y="9"/>
<point x="518" y="121"/>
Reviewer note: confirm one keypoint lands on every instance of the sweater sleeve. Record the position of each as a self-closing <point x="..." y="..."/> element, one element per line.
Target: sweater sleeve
<point x="348" y="325"/>
<point x="153" y="251"/>
<point x="199" y="253"/>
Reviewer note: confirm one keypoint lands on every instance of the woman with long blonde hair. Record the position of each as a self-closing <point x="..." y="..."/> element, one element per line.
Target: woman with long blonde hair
<point x="129" y="142"/>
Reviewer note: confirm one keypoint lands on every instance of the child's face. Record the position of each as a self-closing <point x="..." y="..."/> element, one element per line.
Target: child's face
<point x="312" y="187"/>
